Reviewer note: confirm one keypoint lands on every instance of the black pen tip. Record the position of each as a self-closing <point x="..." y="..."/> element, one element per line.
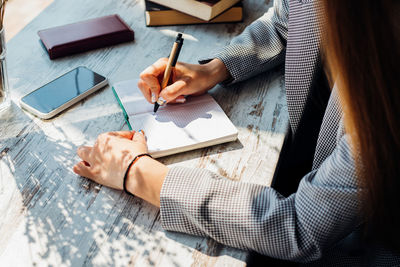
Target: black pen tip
<point x="156" y="106"/>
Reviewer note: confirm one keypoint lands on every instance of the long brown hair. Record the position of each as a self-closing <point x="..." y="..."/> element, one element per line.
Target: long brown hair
<point x="362" y="48"/>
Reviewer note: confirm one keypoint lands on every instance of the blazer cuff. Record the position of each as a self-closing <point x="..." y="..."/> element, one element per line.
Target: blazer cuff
<point x="174" y="193"/>
<point x="232" y="58"/>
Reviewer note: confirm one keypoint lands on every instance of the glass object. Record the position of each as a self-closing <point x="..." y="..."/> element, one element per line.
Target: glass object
<point x="4" y="93"/>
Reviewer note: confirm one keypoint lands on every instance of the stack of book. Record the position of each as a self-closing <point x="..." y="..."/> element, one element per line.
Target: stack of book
<point x="181" y="12"/>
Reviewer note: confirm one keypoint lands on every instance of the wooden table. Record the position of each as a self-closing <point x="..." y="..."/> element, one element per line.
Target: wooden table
<point x="51" y="216"/>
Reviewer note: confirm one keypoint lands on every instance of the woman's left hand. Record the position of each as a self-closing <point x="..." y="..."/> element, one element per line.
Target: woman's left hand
<point x="107" y="161"/>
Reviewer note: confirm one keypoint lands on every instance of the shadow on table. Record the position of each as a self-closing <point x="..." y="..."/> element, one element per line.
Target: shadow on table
<point x="268" y="114"/>
<point x="257" y="104"/>
<point x="202" y="152"/>
<point x="71" y="220"/>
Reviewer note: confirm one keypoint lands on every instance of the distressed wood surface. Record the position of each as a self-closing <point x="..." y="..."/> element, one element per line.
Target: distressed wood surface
<point x="52" y="217"/>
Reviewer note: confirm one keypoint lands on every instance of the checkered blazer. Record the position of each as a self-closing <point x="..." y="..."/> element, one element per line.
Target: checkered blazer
<point x="320" y="223"/>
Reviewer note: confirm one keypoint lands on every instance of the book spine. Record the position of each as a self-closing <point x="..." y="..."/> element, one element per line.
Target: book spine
<point x="194" y="8"/>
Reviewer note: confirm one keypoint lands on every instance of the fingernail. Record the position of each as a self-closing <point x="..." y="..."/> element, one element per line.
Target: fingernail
<point x="153" y="97"/>
<point x="161" y="101"/>
<point x="181" y="100"/>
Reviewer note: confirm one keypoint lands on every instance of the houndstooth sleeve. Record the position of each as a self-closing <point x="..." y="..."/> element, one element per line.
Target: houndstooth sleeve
<point x="260" y="47"/>
<point x="248" y="216"/>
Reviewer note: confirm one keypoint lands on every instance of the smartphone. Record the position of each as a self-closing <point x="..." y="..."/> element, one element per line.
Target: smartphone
<point x="61" y="93"/>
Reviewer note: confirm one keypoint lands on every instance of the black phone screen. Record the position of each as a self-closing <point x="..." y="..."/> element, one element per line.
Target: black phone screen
<point x="63" y="89"/>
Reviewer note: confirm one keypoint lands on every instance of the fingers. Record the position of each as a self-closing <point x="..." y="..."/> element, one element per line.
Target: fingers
<point x="84" y="153"/>
<point x="81" y="169"/>
<point x="152" y="83"/>
<point x="149" y="79"/>
<point x="173" y="91"/>
<point x="156" y="69"/>
<point x="145" y="90"/>
<point x="132" y="135"/>
<point x="139" y="136"/>
<point x="123" y="134"/>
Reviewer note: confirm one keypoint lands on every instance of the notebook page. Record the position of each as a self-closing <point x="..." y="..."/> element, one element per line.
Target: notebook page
<point x="135" y="103"/>
<point x="197" y="123"/>
<point x="177" y="126"/>
<point x="132" y="98"/>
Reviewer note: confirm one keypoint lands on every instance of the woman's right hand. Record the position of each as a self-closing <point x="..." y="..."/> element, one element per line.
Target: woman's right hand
<point x="187" y="79"/>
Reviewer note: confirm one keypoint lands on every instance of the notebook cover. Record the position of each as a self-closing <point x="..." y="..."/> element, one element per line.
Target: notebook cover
<point x="126" y="116"/>
<point x="85" y="35"/>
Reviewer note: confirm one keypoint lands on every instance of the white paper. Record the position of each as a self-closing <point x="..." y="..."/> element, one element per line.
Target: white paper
<point x="176" y="128"/>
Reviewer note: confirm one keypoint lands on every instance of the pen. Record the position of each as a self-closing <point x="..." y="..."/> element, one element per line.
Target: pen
<point x="172" y="59"/>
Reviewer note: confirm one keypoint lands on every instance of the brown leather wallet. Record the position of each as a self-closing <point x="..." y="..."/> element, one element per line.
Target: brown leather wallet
<point x="85" y="35"/>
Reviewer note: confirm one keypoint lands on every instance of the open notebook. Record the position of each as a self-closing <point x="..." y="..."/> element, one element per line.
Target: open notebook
<point x="200" y="122"/>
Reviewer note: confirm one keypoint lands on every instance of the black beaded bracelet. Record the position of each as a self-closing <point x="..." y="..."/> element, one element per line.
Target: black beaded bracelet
<point x="129" y="167"/>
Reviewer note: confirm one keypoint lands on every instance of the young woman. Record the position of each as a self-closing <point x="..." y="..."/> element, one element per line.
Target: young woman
<point x="344" y="212"/>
